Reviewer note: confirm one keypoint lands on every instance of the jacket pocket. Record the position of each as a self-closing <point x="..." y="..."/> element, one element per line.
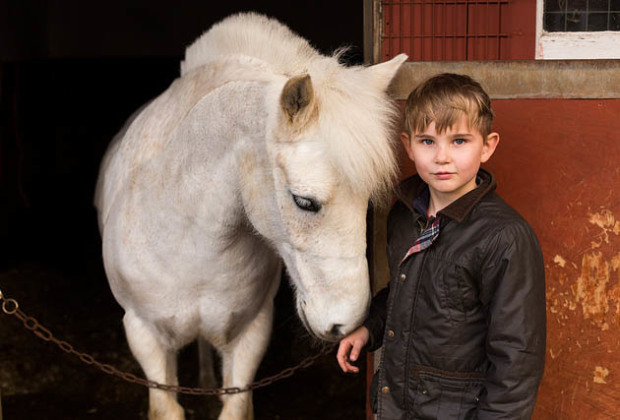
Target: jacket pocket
<point x="446" y="396"/>
<point x="460" y="294"/>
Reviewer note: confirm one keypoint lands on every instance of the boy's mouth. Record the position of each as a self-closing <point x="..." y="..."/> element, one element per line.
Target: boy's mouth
<point x="443" y="175"/>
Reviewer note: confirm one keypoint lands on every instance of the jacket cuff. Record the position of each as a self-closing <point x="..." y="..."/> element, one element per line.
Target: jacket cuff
<point x="375" y="328"/>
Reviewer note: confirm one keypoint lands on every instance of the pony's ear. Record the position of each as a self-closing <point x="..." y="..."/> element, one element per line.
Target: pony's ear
<point x="296" y="95"/>
<point x="382" y="74"/>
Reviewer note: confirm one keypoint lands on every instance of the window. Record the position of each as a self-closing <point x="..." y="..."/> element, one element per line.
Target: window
<point x="578" y="29"/>
<point x="581" y="15"/>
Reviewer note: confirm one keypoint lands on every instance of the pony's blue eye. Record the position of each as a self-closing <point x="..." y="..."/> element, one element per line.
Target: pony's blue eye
<point x="306" y="203"/>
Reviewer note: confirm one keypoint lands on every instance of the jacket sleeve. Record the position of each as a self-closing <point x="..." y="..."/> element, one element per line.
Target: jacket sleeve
<point x="513" y="290"/>
<point x="376" y="319"/>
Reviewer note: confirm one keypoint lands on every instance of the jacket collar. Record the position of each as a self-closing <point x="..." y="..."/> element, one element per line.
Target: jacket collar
<point x="412" y="187"/>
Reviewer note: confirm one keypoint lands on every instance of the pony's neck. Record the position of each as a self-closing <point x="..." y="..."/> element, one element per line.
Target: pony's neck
<point x="222" y="138"/>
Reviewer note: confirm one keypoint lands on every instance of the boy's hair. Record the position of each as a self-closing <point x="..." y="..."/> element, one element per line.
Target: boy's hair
<point x="443" y="99"/>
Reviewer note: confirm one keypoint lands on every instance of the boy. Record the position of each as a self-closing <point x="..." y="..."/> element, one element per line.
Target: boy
<point x="462" y="322"/>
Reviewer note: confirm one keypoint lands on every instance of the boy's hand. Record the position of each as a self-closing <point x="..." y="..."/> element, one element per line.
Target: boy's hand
<point x="350" y="347"/>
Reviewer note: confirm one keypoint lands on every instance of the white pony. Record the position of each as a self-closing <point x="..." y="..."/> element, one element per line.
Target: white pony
<point x="262" y="151"/>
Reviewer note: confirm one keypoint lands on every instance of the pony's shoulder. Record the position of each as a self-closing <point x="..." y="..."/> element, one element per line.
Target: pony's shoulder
<point x="253" y="35"/>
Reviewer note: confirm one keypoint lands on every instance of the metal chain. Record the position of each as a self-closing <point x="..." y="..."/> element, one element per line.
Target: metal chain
<point x="11" y="307"/>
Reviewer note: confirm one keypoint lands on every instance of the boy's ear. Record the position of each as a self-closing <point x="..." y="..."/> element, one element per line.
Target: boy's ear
<point x="406" y="140"/>
<point x="490" y="143"/>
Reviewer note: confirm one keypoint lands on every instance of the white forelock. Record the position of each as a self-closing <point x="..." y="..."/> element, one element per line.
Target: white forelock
<point x="358" y="123"/>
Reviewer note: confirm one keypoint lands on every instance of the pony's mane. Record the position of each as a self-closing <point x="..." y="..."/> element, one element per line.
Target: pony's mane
<point x="364" y="157"/>
<point x="252" y="35"/>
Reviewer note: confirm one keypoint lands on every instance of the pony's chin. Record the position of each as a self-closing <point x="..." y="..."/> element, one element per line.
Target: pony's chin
<point x="306" y="324"/>
<point x="328" y="337"/>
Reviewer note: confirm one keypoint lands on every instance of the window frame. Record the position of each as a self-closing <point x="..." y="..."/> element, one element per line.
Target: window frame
<point x="574" y="45"/>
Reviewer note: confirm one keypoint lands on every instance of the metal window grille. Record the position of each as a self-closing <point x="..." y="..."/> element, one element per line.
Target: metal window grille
<point x="581" y="15"/>
<point x="444" y="30"/>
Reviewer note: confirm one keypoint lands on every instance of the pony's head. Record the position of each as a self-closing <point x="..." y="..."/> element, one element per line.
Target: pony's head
<point x="329" y="152"/>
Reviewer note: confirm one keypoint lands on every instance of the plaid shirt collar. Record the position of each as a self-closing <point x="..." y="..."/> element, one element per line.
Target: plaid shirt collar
<point x="425" y="240"/>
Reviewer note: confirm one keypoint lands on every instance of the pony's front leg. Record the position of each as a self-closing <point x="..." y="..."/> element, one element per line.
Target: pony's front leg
<point x="240" y="361"/>
<point x="159" y="364"/>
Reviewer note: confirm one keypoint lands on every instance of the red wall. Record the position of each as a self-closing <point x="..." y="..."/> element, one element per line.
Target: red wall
<point x="458" y="30"/>
<point x="558" y="165"/>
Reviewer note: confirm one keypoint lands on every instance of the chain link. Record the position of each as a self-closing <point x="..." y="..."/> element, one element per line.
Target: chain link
<point x="11" y="307"/>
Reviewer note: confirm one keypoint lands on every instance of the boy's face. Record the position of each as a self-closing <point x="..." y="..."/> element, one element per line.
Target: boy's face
<point x="448" y="162"/>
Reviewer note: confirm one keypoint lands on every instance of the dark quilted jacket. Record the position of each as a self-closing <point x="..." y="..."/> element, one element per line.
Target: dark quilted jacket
<point x="462" y="323"/>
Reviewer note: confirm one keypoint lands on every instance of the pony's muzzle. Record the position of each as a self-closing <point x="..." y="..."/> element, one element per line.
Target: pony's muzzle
<point x="335" y="332"/>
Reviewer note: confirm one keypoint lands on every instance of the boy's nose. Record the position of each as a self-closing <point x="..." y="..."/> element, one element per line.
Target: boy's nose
<point x="442" y="155"/>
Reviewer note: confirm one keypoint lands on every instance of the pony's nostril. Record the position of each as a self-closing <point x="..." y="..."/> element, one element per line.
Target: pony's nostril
<point x="336" y="330"/>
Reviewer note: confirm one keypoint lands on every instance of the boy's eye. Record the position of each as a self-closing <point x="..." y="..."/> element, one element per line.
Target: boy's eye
<point x="460" y="141"/>
<point x="427" y="142"/>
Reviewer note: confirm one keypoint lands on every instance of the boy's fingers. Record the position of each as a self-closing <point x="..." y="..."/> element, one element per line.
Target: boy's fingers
<point x="347" y="351"/>
<point x="348" y="367"/>
<point x="352" y="367"/>
<point x="341" y="356"/>
<point x="343" y="349"/>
